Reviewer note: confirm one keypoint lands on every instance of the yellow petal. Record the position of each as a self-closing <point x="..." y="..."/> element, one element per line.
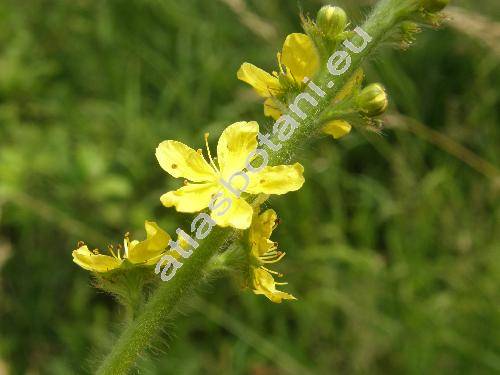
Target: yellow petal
<point x="94" y="262"/>
<point x="238" y="216"/>
<point x="263" y="283"/>
<point x="337" y="128"/>
<point x="276" y="180"/>
<point x="151" y="248"/>
<point x="190" y="198"/>
<point x="271" y="109"/>
<point x="263" y="83"/>
<point x="299" y="55"/>
<point x="260" y="232"/>
<point x="235" y="144"/>
<point x="180" y="160"/>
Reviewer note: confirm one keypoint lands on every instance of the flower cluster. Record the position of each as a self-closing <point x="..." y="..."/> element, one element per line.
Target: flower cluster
<point x="226" y="189"/>
<point x="300" y="59"/>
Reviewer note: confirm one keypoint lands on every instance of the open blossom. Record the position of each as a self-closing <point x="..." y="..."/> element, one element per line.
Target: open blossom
<point x="298" y="59"/>
<point x="225" y="177"/>
<point x="264" y="251"/>
<point x="146" y="252"/>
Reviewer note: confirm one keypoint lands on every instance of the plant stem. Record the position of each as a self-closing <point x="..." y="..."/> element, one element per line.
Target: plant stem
<point x="139" y="333"/>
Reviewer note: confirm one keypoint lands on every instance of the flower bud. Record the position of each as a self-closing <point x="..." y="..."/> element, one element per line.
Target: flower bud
<point x="434" y="5"/>
<point x="331" y="20"/>
<point x="372" y="100"/>
<point x="337" y="128"/>
<point x="409" y="28"/>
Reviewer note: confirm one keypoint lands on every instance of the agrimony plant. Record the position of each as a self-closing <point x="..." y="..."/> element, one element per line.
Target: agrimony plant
<point x="239" y="241"/>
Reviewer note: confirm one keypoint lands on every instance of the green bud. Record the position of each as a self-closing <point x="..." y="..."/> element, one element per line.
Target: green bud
<point x="372" y="100"/>
<point x="331" y="20"/>
<point x="410" y="28"/>
<point x="434" y="5"/>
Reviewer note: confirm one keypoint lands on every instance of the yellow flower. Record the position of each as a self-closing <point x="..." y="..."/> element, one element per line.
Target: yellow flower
<point x="145" y="252"/>
<point x="210" y="182"/>
<point x="264" y="251"/>
<point x="298" y="59"/>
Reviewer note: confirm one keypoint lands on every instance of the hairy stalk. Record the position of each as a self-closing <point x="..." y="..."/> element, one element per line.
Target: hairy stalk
<point x="138" y="334"/>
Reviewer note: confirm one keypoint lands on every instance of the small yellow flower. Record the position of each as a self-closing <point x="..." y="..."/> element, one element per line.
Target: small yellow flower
<point x="145" y="252"/>
<point x="298" y="59"/>
<point x="223" y="175"/>
<point x="264" y="251"/>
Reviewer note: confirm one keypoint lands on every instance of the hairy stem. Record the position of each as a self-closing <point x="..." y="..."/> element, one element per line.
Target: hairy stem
<point x="139" y="333"/>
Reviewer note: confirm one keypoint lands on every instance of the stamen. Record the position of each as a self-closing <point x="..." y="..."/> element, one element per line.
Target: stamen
<point x="119" y="249"/>
<point x="110" y="249"/>
<point x="277" y="259"/>
<point x="271" y="271"/>
<point x="80" y="244"/>
<point x="278" y="55"/>
<point x="95" y="251"/>
<point x="270" y="253"/>
<point x="209" y="154"/>
<point x="275" y="283"/>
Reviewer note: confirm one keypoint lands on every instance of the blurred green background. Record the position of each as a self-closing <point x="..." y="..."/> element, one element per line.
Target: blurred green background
<point x="393" y="243"/>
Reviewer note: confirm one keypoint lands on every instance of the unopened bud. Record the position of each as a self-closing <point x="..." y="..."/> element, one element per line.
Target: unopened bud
<point x="410" y="28"/>
<point x="331" y="20"/>
<point x="434" y="5"/>
<point x="372" y="100"/>
<point x="337" y="128"/>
